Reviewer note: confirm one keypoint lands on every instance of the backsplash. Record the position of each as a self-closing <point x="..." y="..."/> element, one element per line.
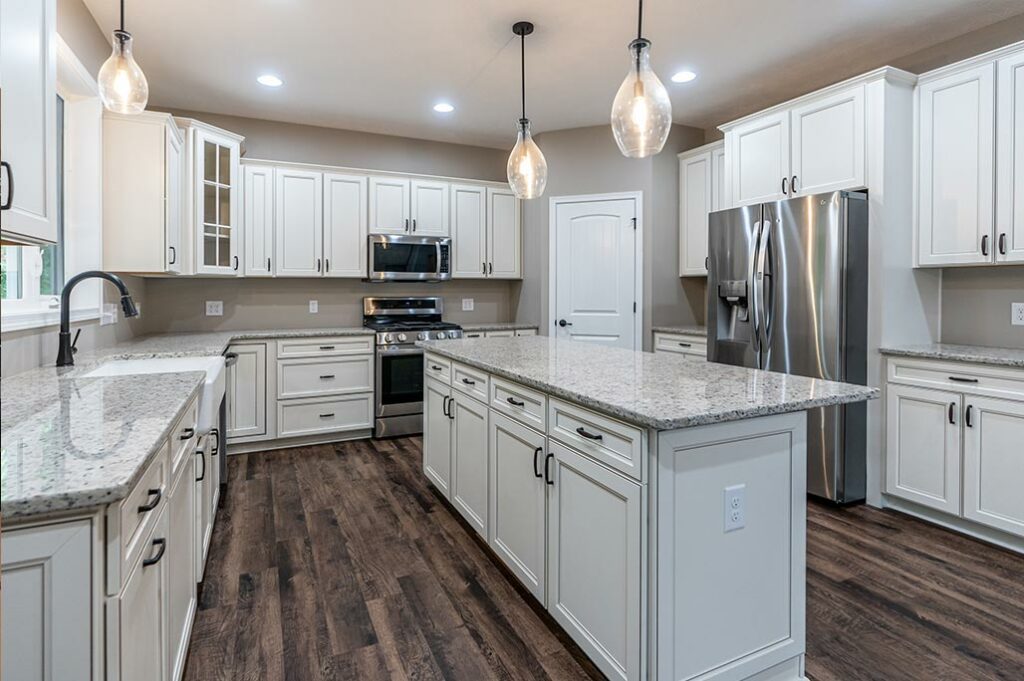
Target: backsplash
<point x="976" y="305"/>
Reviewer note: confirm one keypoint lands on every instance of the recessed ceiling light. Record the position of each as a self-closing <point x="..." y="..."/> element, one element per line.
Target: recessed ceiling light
<point x="683" y="76"/>
<point x="443" y="107"/>
<point x="270" y="80"/>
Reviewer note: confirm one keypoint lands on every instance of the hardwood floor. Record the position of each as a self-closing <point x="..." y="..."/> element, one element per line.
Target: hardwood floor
<point x="340" y="562"/>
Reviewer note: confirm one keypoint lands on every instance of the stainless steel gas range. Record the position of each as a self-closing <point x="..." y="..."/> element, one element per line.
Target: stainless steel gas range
<point x="399" y="323"/>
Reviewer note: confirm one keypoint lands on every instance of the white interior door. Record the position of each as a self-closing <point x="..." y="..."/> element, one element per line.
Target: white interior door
<point x="595" y="284"/>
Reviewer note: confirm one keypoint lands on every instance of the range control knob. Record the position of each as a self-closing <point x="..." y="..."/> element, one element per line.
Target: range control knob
<point x="422" y="336"/>
<point x="387" y="338"/>
<point x="453" y="334"/>
<point x="401" y="338"/>
<point x="440" y="335"/>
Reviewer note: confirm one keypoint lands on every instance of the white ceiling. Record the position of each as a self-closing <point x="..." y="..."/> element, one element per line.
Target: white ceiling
<point x="380" y="66"/>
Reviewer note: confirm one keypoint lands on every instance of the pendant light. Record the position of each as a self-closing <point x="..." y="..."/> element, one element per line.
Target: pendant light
<point x="123" y="86"/>
<point x="642" y="111"/>
<point x="527" y="169"/>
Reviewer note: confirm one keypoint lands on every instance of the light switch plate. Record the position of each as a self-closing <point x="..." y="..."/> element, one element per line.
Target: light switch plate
<point x="314" y="306"/>
<point x="467" y="304"/>
<point x="1017" y="314"/>
<point x="214" y="308"/>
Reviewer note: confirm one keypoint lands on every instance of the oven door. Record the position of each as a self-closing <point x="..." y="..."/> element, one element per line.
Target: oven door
<point x="394" y="257"/>
<point x="399" y="381"/>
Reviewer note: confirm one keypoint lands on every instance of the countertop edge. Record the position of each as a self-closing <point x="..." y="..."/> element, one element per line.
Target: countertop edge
<point x="982" y="355"/>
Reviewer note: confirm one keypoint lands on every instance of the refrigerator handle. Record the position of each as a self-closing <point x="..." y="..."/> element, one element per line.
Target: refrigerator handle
<point x="755" y="305"/>
<point x="764" y="273"/>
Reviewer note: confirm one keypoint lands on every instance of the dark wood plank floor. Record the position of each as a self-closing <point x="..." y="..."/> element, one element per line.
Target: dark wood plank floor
<point x="340" y="562"/>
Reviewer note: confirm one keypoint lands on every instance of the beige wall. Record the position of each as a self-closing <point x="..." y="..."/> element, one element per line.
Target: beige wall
<point x="976" y="305"/>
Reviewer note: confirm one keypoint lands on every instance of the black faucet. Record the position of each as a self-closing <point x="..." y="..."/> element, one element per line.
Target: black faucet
<point x="66" y="351"/>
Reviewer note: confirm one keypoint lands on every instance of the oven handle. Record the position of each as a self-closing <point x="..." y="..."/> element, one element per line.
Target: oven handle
<point x="403" y="351"/>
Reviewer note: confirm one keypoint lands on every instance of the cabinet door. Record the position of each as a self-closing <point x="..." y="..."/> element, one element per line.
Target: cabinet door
<point x="518" y="501"/>
<point x="922" y="449"/>
<point x="695" y="201"/>
<point x="299" y="222"/>
<point x="247" y="391"/>
<point x="1010" y="161"/>
<point x="173" y="200"/>
<point x="469" y="231"/>
<point x="437" y="435"/>
<point x="143" y="616"/>
<point x="759" y="156"/>
<point x="47" y="603"/>
<point x="429" y="208"/>
<point x="956" y="147"/>
<point x="469" y="460"/>
<point x="345" y="220"/>
<point x="28" y="118"/>
<point x="828" y="144"/>
<point x="389" y="206"/>
<point x="719" y="196"/>
<point x="180" y="559"/>
<point x="259" y="221"/>
<point x="504" y="235"/>
<point x="594" y="560"/>
<point x="994" y="463"/>
<point x="207" y="471"/>
<point x="216" y="203"/>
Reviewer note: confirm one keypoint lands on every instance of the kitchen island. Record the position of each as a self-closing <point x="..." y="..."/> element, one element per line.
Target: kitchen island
<point x="654" y="505"/>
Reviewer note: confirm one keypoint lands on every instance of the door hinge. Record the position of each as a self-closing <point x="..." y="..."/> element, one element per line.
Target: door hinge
<point x="634" y="224"/>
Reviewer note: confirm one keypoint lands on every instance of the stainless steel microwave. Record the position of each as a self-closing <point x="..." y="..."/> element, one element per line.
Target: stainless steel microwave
<point x="403" y="257"/>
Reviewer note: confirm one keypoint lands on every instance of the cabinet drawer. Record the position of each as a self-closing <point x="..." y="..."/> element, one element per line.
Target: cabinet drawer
<point x="183" y="437"/>
<point x="309" y="416"/>
<point x="682" y="344"/>
<point x="505" y="333"/>
<point x="527" y="406"/>
<point x="974" y="379"/>
<point x="471" y="381"/>
<point x="611" y="442"/>
<point x="314" y="377"/>
<point x="526" y="332"/>
<point x="438" y="368"/>
<point x="320" y="347"/>
<point x="135" y="520"/>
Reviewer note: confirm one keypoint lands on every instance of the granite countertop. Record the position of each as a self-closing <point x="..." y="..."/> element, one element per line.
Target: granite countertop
<point x="693" y="330"/>
<point x="976" y="354"/>
<point x="649" y="390"/>
<point x="497" y="326"/>
<point x="68" y="442"/>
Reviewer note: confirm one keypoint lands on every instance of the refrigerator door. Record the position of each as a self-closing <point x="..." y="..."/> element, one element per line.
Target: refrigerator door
<point x="732" y="246"/>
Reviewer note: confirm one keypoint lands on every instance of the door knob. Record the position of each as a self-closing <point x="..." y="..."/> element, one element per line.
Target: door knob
<point x="563" y="323"/>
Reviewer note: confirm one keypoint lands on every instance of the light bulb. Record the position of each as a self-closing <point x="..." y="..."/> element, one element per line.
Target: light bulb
<point x="123" y="86"/>
<point x="642" y="111"/>
<point x="527" y="169"/>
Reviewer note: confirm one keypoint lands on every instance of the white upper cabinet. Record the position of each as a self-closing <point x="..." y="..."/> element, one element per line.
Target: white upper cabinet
<point x="298" y="220"/>
<point x="504" y="235"/>
<point x="259" y="220"/>
<point x="719" y="188"/>
<point x="1010" y="159"/>
<point x="429" y="208"/>
<point x="28" y="123"/>
<point x="956" y="146"/>
<point x="174" y="202"/>
<point x="469" y="231"/>
<point x="696" y="200"/>
<point x="389" y="206"/>
<point x="345" y="221"/>
<point x="758" y="153"/>
<point x="828" y="143"/>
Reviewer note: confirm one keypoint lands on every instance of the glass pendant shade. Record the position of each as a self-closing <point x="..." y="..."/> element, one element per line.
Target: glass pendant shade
<point x="527" y="169"/>
<point x="123" y="86"/>
<point x="642" y="111"/>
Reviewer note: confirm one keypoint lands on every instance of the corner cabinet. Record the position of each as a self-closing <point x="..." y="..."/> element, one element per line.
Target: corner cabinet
<point x="701" y="176"/>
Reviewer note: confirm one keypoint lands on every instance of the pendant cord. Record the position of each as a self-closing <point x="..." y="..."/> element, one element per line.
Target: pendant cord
<point x="522" y="69"/>
<point x="639" y="21"/>
<point x="122" y="15"/>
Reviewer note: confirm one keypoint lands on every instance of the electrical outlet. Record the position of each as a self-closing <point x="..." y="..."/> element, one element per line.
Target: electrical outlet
<point x="467" y="304"/>
<point x="214" y="308"/>
<point x="1017" y="314"/>
<point x="314" y="307"/>
<point x="735" y="507"/>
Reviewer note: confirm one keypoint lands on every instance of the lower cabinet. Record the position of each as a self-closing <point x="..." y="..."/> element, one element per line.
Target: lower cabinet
<point x="207" y="492"/>
<point x="143" y="613"/>
<point x="437" y="435"/>
<point x="469" y="459"/>
<point x="994" y="464"/>
<point x="681" y="344"/>
<point x="181" y="563"/>
<point x="247" y="390"/>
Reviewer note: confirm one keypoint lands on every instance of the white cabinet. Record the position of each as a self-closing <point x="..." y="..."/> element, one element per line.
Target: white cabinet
<point x="526" y="332"/>
<point x="698" y="176"/>
<point x="428" y="208"/>
<point x="180" y="559"/>
<point x="994" y="463"/>
<point x="48" y="601"/>
<point x="142" y="194"/>
<point x="504" y="234"/>
<point x="469" y="231"/>
<point x="594" y="560"/>
<point x="719" y="186"/>
<point x="247" y="390"/>
<point x="518" y="501"/>
<point x="682" y="344"/>
<point x="259" y="220"/>
<point x="1009" y="235"/>
<point x="828" y="143"/>
<point x="28" y="122"/>
<point x="437" y="434"/>
<point x="298" y="221"/>
<point x="758" y="154"/>
<point x="345" y="220"/>
<point x="206" y="497"/>
<point x="956" y="146"/>
<point x="389" y="205"/>
<point x="469" y="459"/>
<point x="143" y="612"/>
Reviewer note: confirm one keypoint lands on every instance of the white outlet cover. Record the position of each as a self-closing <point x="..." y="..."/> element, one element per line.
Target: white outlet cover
<point x="214" y="308"/>
<point x="467" y="304"/>
<point x="734" y="498"/>
<point x="1017" y="314"/>
<point x="314" y="306"/>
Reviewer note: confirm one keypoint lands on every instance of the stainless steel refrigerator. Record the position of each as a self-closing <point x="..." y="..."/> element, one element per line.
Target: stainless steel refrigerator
<point x="787" y="291"/>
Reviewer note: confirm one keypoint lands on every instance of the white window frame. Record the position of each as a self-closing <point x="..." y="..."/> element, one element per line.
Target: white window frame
<point x="83" y="210"/>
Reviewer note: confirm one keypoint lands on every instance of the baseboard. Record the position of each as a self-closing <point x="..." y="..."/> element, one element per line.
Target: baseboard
<point x="289" y="442"/>
<point x="967" y="527"/>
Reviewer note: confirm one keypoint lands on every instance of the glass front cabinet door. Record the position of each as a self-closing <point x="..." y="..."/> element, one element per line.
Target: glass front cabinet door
<point x="217" y="182"/>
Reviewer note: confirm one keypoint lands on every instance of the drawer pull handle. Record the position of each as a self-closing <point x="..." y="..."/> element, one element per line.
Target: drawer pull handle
<point x="435" y="367"/>
<point x="156" y="494"/>
<point x="961" y="379"/>
<point x="326" y="377"/>
<point x="514" y="402"/>
<point x="547" y="472"/>
<point x="468" y="381"/>
<point x="536" y="453"/>
<point x="161" y="543"/>
<point x="327" y="416"/>
<point x="685" y="345"/>
<point x="451" y="410"/>
<point x="589" y="436"/>
<point x="326" y="347"/>
<point x="187" y="434"/>
<point x="202" y="458"/>
<point x="952" y="406"/>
